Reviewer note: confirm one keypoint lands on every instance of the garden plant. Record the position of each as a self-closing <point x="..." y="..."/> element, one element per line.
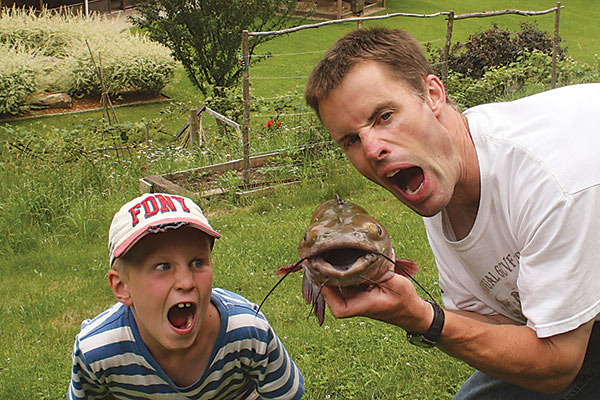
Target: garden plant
<point x="62" y="178"/>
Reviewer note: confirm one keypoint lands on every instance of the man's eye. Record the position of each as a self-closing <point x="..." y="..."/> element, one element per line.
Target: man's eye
<point x="386" y="115"/>
<point x="350" y="140"/>
<point x="162" y="267"/>
<point x="197" y="263"/>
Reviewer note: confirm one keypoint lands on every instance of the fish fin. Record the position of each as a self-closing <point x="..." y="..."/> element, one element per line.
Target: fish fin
<point x="286" y="269"/>
<point x="406" y="267"/>
<point x="319" y="308"/>
<point x="312" y="295"/>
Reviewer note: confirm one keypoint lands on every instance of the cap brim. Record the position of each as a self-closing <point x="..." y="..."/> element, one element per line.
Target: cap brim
<point x="144" y="230"/>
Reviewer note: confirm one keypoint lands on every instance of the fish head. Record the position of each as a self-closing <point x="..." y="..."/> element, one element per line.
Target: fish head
<point x="341" y="245"/>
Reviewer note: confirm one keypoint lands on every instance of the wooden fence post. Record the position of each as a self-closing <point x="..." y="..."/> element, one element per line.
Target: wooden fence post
<point x="200" y="130"/>
<point x="246" y="94"/>
<point x="339" y="9"/>
<point x="446" y="54"/>
<point x="555" y="46"/>
<point x="147" y="133"/>
<point x="193" y="126"/>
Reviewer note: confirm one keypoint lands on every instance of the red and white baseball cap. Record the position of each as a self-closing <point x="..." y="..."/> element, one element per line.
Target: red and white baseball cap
<point x="153" y="213"/>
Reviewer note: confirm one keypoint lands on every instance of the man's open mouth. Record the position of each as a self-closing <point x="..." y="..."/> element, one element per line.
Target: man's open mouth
<point x="181" y="315"/>
<point x="409" y="180"/>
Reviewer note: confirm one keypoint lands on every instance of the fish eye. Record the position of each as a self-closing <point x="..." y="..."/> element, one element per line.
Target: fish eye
<point x="379" y="230"/>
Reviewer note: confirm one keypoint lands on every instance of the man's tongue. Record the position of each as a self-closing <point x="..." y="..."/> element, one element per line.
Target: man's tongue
<point x="409" y="179"/>
<point x="180" y="317"/>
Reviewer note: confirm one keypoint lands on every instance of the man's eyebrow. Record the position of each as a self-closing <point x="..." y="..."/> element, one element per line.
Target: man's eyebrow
<point x="378" y="109"/>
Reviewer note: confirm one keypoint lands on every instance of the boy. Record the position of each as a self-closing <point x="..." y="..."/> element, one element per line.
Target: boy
<point x="171" y="335"/>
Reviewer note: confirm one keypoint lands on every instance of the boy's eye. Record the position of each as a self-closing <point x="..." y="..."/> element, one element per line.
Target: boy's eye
<point x="386" y="115"/>
<point x="197" y="263"/>
<point x="162" y="267"/>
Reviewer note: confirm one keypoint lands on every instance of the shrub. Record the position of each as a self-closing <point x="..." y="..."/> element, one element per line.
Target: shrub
<point x="532" y="69"/>
<point x="52" y="52"/>
<point x="44" y="33"/>
<point x="129" y="62"/>
<point x="17" y="80"/>
<point x="492" y="48"/>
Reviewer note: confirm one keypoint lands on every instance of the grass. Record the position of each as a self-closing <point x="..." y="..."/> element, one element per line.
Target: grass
<point x="54" y="214"/>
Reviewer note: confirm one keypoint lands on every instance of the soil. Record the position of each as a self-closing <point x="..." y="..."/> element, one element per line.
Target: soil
<point x="89" y="104"/>
<point x="329" y="7"/>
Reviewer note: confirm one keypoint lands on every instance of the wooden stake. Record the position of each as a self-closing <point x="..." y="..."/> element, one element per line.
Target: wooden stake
<point x="446" y="54"/>
<point x="555" y="46"/>
<point x="246" y="94"/>
<point x="193" y="126"/>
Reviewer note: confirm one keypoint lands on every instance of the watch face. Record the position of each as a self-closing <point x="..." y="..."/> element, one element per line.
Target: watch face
<point x="419" y="340"/>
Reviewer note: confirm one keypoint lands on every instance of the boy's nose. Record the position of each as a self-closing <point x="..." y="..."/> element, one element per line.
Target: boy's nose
<point x="184" y="279"/>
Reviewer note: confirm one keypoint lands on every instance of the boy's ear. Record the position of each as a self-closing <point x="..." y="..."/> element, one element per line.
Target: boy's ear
<point x="119" y="287"/>
<point x="435" y="93"/>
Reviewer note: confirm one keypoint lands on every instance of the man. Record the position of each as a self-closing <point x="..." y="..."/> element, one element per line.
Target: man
<point x="509" y="193"/>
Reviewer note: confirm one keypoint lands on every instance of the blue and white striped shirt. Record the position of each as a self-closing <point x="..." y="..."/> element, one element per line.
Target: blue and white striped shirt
<point x="248" y="360"/>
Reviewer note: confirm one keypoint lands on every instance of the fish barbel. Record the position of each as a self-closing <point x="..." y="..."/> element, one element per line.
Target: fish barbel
<point x="344" y="246"/>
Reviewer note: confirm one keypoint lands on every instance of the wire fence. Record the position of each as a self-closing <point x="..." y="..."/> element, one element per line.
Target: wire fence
<point x="449" y="16"/>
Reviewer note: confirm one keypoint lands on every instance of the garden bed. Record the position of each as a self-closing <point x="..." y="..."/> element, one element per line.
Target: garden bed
<point x="266" y="172"/>
<point x="91" y="104"/>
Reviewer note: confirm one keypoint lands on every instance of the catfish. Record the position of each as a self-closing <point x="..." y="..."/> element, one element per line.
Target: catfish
<point x="344" y="246"/>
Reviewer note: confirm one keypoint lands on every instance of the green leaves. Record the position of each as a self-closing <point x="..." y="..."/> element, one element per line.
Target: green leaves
<point x="206" y="35"/>
<point x="50" y="53"/>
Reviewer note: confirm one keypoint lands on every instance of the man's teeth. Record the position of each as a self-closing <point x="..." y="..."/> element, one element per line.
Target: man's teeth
<point x="409" y="191"/>
<point x="184" y="305"/>
<point x="392" y="173"/>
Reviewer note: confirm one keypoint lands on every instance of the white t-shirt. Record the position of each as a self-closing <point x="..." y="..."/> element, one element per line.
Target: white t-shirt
<point x="533" y="253"/>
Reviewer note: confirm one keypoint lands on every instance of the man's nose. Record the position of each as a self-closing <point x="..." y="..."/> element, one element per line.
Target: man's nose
<point x="374" y="146"/>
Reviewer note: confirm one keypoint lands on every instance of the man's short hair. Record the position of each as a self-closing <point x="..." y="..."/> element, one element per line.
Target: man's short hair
<point x="398" y="50"/>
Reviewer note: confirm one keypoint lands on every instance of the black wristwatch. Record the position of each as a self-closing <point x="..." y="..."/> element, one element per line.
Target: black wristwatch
<point x="432" y="335"/>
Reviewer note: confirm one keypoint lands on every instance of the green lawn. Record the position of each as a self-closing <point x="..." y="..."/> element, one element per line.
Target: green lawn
<point x="54" y="215"/>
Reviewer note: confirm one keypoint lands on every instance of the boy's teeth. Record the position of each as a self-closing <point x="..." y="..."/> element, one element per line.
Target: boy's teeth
<point x="184" y="305"/>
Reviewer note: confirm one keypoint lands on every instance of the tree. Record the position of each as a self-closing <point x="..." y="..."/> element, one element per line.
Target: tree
<point x="205" y="35"/>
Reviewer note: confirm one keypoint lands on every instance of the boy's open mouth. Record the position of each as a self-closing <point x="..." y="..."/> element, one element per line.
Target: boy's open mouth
<point x="409" y="180"/>
<point x="181" y="315"/>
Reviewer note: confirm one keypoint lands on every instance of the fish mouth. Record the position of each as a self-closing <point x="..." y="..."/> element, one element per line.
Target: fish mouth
<point x="408" y="180"/>
<point x="342" y="258"/>
<point x="182" y="316"/>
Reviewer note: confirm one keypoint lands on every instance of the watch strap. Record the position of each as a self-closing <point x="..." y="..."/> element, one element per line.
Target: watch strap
<point x="430" y="337"/>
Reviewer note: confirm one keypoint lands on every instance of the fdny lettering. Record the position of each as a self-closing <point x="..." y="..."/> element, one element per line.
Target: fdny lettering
<point x="154" y="204"/>
<point x="499" y="271"/>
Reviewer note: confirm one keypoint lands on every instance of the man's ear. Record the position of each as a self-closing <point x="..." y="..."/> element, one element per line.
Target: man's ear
<point x="435" y="93"/>
<point x="119" y="287"/>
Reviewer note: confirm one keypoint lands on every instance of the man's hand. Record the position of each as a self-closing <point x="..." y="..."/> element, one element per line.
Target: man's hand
<point x="394" y="301"/>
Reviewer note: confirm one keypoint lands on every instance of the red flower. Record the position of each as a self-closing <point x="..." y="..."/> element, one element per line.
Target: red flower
<point x="144" y="168"/>
<point x="269" y="123"/>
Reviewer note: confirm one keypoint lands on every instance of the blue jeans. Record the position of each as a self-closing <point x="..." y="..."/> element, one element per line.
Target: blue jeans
<point x="586" y="386"/>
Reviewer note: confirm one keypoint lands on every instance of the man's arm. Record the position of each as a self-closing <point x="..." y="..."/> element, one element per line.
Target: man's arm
<point x="492" y="344"/>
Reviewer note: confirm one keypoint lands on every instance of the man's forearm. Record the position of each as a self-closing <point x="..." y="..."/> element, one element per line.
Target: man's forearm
<point x="514" y="353"/>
